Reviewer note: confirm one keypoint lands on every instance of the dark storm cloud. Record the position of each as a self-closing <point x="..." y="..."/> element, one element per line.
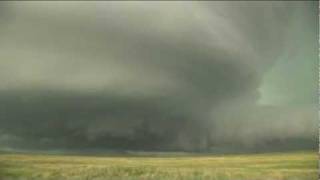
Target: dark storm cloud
<point x="145" y="75"/>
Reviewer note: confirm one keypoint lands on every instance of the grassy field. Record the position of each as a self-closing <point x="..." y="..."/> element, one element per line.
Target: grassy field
<point x="273" y="166"/>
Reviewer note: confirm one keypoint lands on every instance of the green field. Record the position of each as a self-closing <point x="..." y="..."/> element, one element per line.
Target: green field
<point x="272" y="166"/>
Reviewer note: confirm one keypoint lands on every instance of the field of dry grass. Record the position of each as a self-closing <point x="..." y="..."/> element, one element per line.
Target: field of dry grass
<point x="273" y="166"/>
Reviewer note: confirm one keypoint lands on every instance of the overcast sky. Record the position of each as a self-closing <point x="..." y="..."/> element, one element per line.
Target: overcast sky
<point x="180" y="76"/>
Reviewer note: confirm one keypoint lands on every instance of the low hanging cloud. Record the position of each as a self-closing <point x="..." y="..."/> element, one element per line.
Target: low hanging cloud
<point x="148" y="75"/>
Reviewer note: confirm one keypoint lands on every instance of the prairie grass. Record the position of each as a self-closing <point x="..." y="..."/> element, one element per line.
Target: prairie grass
<point x="273" y="166"/>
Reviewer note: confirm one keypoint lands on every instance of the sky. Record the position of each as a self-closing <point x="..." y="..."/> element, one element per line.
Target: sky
<point x="158" y="76"/>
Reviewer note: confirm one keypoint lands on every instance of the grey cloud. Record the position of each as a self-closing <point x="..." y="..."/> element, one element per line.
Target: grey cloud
<point x="145" y="76"/>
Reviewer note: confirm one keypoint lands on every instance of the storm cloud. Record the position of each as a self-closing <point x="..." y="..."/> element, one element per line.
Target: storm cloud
<point x="154" y="75"/>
